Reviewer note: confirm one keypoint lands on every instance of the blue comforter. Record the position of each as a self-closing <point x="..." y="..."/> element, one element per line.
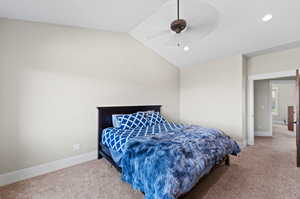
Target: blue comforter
<point x="165" y="166"/>
<point x="115" y="138"/>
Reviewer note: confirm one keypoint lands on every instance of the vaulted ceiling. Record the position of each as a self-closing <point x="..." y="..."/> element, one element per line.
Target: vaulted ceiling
<point x="235" y="26"/>
<point x="110" y="15"/>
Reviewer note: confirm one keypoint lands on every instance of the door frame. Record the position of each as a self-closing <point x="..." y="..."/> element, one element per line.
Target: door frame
<point x="250" y="104"/>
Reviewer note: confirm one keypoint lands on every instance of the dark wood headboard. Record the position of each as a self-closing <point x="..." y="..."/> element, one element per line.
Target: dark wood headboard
<point x="105" y="120"/>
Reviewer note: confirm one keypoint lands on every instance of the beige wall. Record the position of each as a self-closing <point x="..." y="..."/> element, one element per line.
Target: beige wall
<point x="274" y="62"/>
<point x="262" y="108"/>
<point x="52" y="78"/>
<point x="213" y="95"/>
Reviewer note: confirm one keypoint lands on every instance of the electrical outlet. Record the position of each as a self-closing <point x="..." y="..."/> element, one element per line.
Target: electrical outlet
<point x="76" y="147"/>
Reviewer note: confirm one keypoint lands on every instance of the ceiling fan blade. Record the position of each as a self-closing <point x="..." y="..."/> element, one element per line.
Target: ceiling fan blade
<point x="195" y="9"/>
<point x="199" y="32"/>
<point x="202" y="18"/>
<point x="158" y="34"/>
<point x="208" y="22"/>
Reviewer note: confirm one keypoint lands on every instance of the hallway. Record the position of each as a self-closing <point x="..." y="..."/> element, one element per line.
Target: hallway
<point x="282" y="141"/>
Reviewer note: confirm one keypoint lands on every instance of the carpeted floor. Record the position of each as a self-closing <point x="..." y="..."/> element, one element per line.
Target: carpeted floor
<point x="264" y="171"/>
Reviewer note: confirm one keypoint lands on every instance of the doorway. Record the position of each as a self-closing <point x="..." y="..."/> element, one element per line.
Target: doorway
<point x="263" y="102"/>
<point x="267" y="127"/>
<point x="274" y="105"/>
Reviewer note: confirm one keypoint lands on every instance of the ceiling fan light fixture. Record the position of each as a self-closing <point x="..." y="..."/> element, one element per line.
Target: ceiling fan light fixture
<point x="186" y="48"/>
<point x="267" y="17"/>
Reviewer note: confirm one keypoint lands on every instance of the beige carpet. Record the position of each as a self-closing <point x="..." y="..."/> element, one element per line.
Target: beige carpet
<point x="264" y="171"/>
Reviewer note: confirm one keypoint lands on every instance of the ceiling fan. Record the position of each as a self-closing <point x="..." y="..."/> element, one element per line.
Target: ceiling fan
<point x="200" y="20"/>
<point x="178" y="25"/>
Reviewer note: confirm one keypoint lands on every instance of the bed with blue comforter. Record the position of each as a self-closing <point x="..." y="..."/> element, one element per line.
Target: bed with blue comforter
<point x="166" y="160"/>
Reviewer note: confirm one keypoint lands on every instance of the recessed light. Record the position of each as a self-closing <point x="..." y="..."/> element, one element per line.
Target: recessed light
<point x="267" y="18"/>
<point x="186" y="48"/>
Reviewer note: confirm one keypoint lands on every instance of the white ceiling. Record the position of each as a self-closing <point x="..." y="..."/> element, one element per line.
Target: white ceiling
<point x="238" y="28"/>
<point x="239" y="31"/>
<point x="111" y="15"/>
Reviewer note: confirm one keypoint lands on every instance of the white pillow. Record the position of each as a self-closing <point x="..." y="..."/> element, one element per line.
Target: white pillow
<point x="116" y="123"/>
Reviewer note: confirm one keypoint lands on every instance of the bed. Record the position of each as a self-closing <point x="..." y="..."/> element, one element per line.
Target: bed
<point x="149" y="162"/>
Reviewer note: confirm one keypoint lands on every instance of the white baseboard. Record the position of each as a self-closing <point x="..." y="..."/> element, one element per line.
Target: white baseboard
<point x="278" y="122"/>
<point x="262" y="133"/>
<point x="23" y="174"/>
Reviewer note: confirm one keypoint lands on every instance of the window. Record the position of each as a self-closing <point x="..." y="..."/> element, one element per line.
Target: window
<point x="274" y="101"/>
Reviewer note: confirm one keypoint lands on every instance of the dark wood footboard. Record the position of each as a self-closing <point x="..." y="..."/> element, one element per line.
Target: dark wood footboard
<point x="224" y="162"/>
<point x="227" y="160"/>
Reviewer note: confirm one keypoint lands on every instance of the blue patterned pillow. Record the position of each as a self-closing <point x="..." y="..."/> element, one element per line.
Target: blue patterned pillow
<point x="155" y="118"/>
<point x="131" y="121"/>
